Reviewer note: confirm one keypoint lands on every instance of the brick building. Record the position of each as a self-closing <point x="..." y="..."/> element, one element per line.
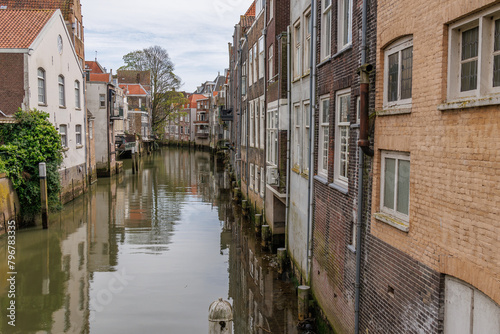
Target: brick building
<point x="432" y="249"/>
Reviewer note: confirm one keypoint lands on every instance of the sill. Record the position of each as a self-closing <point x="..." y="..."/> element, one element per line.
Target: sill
<point x="305" y="75"/>
<point x="305" y="174"/>
<point x="296" y="169"/>
<point x="469" y="103"/>
<point x="352" y="248"/>
<point x="78" y="108"/>
<point x="321" y="179"/>
<point x="339" y="188"/>
<point x="42" y="104"/>
<point x="79" y="146"/>
<point x="396" y="110"/>
<point x="295" y="79"/>
<point x="62" y="107"/>
<point x="354" y="126"/>
<point x="65" y="149"/>
<point x="393" y="221"/>
<point x="323" y="62"/>
<point x="344" y="50"/>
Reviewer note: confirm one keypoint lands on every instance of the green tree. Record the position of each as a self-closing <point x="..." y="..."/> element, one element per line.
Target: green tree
<point x="33" y="139"/>
<point x="164" y="83"/>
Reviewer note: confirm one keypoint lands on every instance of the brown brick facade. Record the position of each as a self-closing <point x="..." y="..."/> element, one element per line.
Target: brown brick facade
<point x="11" y="82"/>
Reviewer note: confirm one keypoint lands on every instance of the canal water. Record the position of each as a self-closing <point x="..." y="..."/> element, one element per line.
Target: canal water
<point x="147" y="253"/>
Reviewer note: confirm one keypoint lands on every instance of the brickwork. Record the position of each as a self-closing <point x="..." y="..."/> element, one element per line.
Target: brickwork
<point x="11" y="90"/>
<point x="455" y="170"/>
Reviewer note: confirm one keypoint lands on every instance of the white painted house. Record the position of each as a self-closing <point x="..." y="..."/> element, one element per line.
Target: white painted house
<point x="39" y="69"/>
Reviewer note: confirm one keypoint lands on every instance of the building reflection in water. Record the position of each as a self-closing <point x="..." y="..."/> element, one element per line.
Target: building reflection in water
<point x="65" y="268"/>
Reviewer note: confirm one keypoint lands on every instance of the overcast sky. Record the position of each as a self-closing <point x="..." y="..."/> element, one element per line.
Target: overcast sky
<point x="195" y="33"/>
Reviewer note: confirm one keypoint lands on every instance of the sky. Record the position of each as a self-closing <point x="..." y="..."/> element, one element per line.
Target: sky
<point x="195" y="33"/>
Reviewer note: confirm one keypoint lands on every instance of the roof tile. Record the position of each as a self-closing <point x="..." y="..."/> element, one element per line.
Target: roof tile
<point x="21" y="27"/>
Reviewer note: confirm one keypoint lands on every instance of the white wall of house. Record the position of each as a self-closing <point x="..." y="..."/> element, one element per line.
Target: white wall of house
<point x="298" y="220"/>
<point x="45" y="53"/>
<point x="101" y="122"/>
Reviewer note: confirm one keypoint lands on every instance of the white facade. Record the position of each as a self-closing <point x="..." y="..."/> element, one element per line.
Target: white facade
<point x="299" y="229"/>
<point x="57" y="57"/>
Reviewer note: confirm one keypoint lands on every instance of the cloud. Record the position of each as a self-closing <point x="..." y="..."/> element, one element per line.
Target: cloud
<point x="195" y="33"/>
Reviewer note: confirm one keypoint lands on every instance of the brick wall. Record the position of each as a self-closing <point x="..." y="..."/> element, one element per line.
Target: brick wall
<point x="11" y="82"/>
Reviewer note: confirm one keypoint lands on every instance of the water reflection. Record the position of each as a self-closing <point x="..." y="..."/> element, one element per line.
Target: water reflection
<point x="147" y="252"/>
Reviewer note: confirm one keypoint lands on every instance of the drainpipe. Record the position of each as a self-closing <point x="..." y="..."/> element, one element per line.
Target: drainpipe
<point x="264" y="110"/>
<point x="312" y="102"/>
<point x="289" y="97"/>
<point x="364" y="145"/>
<point x="238" y="108"/>
<point x="246" y="130"/>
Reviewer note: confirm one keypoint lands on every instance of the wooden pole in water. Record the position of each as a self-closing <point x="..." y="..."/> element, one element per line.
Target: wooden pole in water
<point x="303" y="302"/>
<point x="42" y="169"/>
<point x="133" y="160"/>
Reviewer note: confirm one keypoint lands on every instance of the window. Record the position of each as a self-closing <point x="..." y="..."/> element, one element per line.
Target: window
<point x="78" y="134"/>
<point x="62" y="98"/>
<point x="244" y="79"/>
<point x="296" y="136"/>
<point x="297" y="51"/>
<point x="244" y="128"/>
<point x="474" y="57"/>
<point x="271" y="9"/>
<point x="324" y="135"/>
<point x="91" y="129"/>
<point x="42" y="89"/>
<point x="307" y="43"/>
<point x="250" y="67"/>
<point x="341" y="157"/>
<point x="344" y="23"/>
<point x="255" y="54"/>
<point x="270" y="64"/>
<point x="77" y="94"/>
<point x="63" y="131"/>
<point x="102" y="101"/>
<point x="326" y="29"/>
<point x="261" y="57"/>
<point x="272" y="137"/>
<point x="306" y="142"/>
<point x="259" y="6"/>
<point x="395" y="184"/>
<point x="257" y="179"/>
<point x="262" y="125"/>
<point x="398" y="73"/>
<point x="252" y="122"/>
<point x="252" y="180"/>
<point x="262" y="184"/>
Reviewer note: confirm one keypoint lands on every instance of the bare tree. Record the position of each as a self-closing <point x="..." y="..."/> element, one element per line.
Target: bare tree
<point x="164" y="82"/>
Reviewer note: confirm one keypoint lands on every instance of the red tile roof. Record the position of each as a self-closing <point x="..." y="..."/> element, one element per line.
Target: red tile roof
<point x="93" y="66"/>
<point x="63" y="5"/>
<point x="19" y="28"/>
<point x="251" y="10"/>
<point x="100" y="77"/>
<point x="194" y="98"/>
<point x="134" y="89"/>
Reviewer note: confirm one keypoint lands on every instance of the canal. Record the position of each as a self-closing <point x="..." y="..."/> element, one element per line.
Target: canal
<point x="147" y="253"/>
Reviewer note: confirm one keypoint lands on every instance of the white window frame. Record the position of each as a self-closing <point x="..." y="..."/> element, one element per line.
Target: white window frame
<point x="62" y="93"/>
<point x="78" y="135"/>
<point x="326" y="29"/>
<point x="297" y="136"/>
<point x="297" y="35"/>
<point x="102" y="100"/>
<point x="257" y="123"/>
<point x="305" y="136"/>
<point x="244" y="128"/>
<point x="255" y="60"/>
<point x="339" y="178"/>
<point x="262" y="59"/>
<point x="257" y="179"/>
<point x="252" y="180"/>
<point x="396" y="47"/>
<point x="42" y="87"/>
<point x="306" y="69"/>
<point x="262" y="127"/>
<point x="393" y="212"/>
<point x="252" y="122"/>
<point x="78" y="104"/>
<point x="342" y="25"/>
<point x="271" y="10"/>
<point x="63" y="132"/>
<point x="250" y="67"/>
<point x="324" y="143"/>
<point x="272" y="137"/>
<point x="91" y="129"/>
<point x="270" y="60"/>
<point x="485" y="21"/>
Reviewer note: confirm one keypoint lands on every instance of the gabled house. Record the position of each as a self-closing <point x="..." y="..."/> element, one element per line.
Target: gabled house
<point x="39" y="68"/>
<point x="139" y="102"/>
<point x="101" y="102"/>
<point x="71" y="11"/>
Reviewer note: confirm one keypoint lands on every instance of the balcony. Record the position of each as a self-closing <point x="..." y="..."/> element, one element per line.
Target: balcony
<point x="202" y="134"/>
<point x="226" y="115"/>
